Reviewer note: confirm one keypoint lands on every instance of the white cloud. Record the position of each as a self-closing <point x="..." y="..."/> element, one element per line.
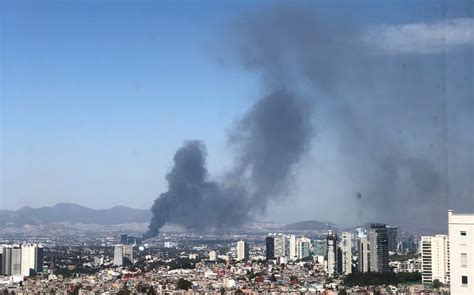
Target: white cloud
<point x="420" y="38"/>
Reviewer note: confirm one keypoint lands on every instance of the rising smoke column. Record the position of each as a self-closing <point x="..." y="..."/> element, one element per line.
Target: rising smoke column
<point x="267" y="142"/>
<point x="192" y="200"/>
<point x="400" y="123"/>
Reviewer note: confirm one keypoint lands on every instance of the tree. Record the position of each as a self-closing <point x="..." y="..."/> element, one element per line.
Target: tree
<point x="273" y="278"/>
<point x="385" y="278"/>
<point x="183" y="284"/>
<point x="437" y="284"/>
<point x="151" y="291"/>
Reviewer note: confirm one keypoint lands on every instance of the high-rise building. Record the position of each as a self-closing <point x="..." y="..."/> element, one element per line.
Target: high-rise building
<point x="319" y="248"/>
<point x="379" y="248"/>
<point x="293" y="248"/>
<point x="27" y="259"/>
<point x="171" y="244"/>
<point x="363" y="254"/>
<point x="32" y="259"/>
<point x="270" y="247"/>
<point x="361" y="232"/>
<point x="118" y="255"/>
<point x="346" y="252"/>
<point x="132" y="240"/>
<point x="435" y="258"/>
<point x="2" y="259"/>
<point x="212" y="256"/>
<point x="461" y="253"/>
<point x="331" y="255"/>
<point x="16" y="261"/>
<point x="7" y="260"/>
<point x="303" y="248"/>
<point x="392" y="238"/>
<point x="39" y="259"/>
<point x="243" y="251"/>
<point x="128" y="252"/>
<point x="281" y="246"/>
<point x="123" y="239"/>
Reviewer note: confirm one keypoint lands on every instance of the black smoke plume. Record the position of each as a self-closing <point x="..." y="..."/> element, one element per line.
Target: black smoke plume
<point x="268" y="141"/>
<point x="402" y="124"/>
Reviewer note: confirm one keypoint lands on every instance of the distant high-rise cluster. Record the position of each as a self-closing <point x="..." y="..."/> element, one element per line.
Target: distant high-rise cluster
<point x="287" y="247"/>
<point x="344" y="253"/>
<point x="24" y="259"/>
<point x="128" y="240"/>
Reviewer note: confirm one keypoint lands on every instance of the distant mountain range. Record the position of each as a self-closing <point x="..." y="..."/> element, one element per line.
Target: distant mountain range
<point x="76" y="214"/>
<point x="73" y="213"/>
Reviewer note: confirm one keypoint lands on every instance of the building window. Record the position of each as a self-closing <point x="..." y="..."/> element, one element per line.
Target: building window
<point x="464" y="280"/>
<point x="463" y="238"/>
<point x="463" y="259"/>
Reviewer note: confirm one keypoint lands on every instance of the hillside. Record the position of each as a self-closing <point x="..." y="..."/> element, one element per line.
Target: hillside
<point x="73" y="213"/>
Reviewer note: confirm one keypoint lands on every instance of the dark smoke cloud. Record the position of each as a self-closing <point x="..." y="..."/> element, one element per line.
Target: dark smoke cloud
<point x="400" y="119"/>
<point x="268" y="141"/>
<point x="192" y="200"/>
<point x="403" y="122"/>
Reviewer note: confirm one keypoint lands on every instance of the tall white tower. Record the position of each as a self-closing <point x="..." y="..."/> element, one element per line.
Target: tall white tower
<point x="302" y="247"/>
<point x="461" y="253"/>
<point x="363" y="253"/>
<point x="331" y="253"/>
<point x="346" y="248"/>
<point x="281" y="247"/>
<point x="31" y="259"/>
<point x="242" y="251"/>
<point x="128" y="252"/>
<point x="293" y="248"/>
<point x="435" y="258"/>
<point x="16" y="261"/>
<point x="118" y="255"/>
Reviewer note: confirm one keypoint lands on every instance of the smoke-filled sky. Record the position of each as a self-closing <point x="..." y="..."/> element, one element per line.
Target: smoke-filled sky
<point x="98" y="96"/>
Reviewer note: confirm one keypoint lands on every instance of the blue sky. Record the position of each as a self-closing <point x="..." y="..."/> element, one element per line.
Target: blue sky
<point x="97" y="95"/>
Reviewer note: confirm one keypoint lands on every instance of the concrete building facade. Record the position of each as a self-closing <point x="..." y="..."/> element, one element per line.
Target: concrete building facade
<point x="435" y="258"/>
<point x="346" y="251"/>
<point x="243" y="251"/>
<point x="379" y="248"/>
<point x="118" y="255"/>
<point x="461" y="253"/>
<point x="363" y="254"/>
<point x="331" y="255"/>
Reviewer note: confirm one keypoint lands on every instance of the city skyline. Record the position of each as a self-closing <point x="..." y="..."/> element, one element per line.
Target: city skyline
<point x="330" y="261"/>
